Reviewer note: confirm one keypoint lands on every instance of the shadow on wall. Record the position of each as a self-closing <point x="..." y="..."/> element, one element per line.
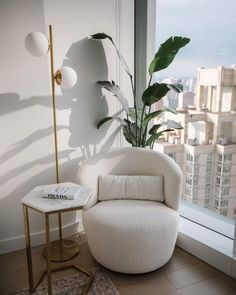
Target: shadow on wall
<point x="88" y="59"/>
<point x="87" y="106"/>
<point x="10" y="205"/>
<point x="11" y="102"/>
<point x="85" y="100"/>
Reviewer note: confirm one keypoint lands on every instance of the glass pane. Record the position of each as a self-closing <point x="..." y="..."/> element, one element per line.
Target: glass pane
<point x="206" y="148"/>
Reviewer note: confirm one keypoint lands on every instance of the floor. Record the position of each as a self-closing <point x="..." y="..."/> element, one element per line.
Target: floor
<point x="183" y="275"/>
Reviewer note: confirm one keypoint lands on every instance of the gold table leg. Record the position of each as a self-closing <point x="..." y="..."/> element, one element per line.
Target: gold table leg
<point x="60" y="235"/>
<point x="49" y="274"/>
<point x="79" y="269"/>
<point x="32" y="286"/>
<point x="87" y="273"/>
<point x="28" y="248"/>
<point x="49" y="270"/>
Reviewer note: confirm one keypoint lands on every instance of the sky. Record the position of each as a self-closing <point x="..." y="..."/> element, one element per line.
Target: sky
<point x="211" y="26"/>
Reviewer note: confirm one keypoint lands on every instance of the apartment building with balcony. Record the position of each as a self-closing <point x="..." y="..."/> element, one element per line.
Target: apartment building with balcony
<point x="206" y="147"/>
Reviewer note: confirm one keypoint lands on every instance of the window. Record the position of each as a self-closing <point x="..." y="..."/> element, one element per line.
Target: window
<point x="207" y="190"/>
<point x="226" y="168"/>
<point x="208" y="180"/>
<point x="195" y="193"/>
<point x="196" y="169"/>
<point x="189" y="158"/>
<point x="224" y="203"/>
<point x="223" y="212"/>
<point x="172" y="155"/>
<point x="195" y="181"/>
<point x="218" y="181"/>
<point x="188" y="181"/>
<point x="189" y="169"/>
<point x="209" y="157"/>
<point x="216" y="203"/>
<point x="196" y="159"/>
<point x="225" y="191"/>
<point x="225" y="180"/>
<point x="208" y="166"/>
<point x="227" y="157"/>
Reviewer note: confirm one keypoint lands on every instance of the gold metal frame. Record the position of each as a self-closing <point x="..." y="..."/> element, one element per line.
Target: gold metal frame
<point x="53" y="101"/>
<point x="49" y="269"/>
<point x="60" y="245"/>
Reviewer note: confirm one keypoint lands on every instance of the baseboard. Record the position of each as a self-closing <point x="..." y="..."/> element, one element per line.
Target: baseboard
<point x="38" y="238"/>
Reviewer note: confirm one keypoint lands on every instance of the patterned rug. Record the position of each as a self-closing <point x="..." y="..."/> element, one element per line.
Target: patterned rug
<point x="75" y="284"/>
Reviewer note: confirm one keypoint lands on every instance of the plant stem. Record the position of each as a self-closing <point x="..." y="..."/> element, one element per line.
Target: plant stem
<point x="150" y="80"/>
<point x="141" y="125"/>
<point x="145" y="131"/>
<point x="135" y="108"/>
<point x="152" y="145"/>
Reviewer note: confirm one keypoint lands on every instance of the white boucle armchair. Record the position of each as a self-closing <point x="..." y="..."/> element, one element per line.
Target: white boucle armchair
<point x="132" y="236"/>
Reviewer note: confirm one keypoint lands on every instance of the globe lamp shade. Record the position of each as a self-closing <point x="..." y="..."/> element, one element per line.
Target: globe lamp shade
<point x="66" y="77"/>
<point x="37" y="44"/>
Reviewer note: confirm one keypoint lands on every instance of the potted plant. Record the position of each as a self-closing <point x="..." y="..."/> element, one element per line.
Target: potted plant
<point x="135" y="124"/>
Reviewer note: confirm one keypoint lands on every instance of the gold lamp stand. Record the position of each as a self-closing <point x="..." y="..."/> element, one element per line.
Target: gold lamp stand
<point x="61" y="250"/>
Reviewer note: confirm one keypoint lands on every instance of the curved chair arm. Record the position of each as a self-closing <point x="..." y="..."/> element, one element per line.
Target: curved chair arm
<point x="173" y="178"/>
<point x="85" y="178"/>
<point x="133" y="161"/>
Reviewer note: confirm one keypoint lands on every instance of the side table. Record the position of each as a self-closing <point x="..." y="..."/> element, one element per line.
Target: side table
<point x="33" y="200"/>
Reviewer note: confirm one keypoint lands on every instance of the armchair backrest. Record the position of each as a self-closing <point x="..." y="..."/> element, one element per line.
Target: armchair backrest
<point x="133" y="161"/>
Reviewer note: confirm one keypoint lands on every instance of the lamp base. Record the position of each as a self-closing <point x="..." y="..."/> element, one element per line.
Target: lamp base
<point x="61" y="252"/>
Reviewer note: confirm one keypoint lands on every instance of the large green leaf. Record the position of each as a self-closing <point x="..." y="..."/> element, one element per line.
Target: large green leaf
<point x="115" y="89"/>
<point x="155" y="136"/>
<point x="100" y="36"/>
<point x="166" y="53"/>
<point x="132" y="115"/>
<point x="109" y="118"/>
<point x="128" y="136"/>
<point x="154" y="93"/>
<point x="169" y="124"/>
<point x="154" y="128"/>
<point x="173" y="124"/>
<point x="156" y="114"/>
<point x="129" y="131"/>
<point x="175" y="87"/>
<point x="104" y="120"/>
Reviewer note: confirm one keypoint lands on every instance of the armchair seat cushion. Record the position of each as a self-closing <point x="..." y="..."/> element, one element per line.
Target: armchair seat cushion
<point x="131" y="236"/>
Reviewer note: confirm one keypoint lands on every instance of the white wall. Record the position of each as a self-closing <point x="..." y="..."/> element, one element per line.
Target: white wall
<point x="26" y="146"/>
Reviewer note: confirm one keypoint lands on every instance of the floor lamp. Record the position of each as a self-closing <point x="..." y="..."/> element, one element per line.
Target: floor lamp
<point x="38" y="45"/>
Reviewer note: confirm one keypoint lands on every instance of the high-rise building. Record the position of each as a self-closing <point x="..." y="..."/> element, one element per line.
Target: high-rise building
<point x="206" y="148"/>
<point x="185" y="99"/>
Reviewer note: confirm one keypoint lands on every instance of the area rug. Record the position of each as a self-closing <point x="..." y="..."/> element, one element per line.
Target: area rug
<point x="75" y="284"/>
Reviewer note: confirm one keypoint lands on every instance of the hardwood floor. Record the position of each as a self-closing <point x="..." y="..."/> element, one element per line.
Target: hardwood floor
<point x="183" y="275"/>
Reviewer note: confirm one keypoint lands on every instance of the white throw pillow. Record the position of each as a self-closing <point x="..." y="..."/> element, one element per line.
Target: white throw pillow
<point x="139" y="187"/>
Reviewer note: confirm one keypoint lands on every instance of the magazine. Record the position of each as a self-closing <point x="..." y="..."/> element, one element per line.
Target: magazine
<point x="66" y="192"/>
